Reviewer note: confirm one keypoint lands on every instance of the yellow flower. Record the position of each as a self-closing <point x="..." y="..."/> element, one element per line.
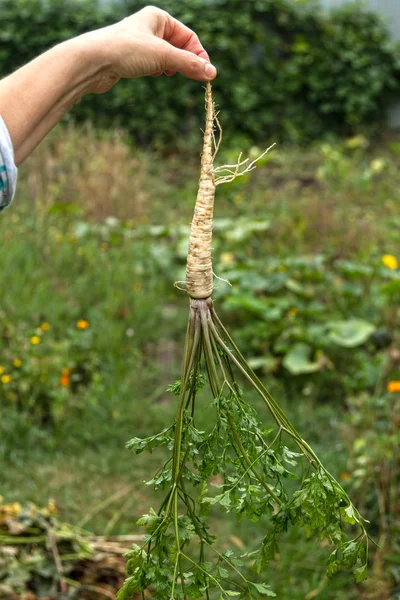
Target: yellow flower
<point x="227" y="258"/>
<point x="11" y="509"/>
<point x="5" y="378"/>
<point x="1" y="369"/>
<point x="358" y="141"/>
<point x="35" y="340"/>
<point x="51" y="506"/>
<point x="390" y="261"/>
<point x="393" y="386"/>
<point x="345" y="476"/>
<point x="45" y="326"/>
<point x="82" y="324"/>
<point x="377" y="165"/>
<point x="17" y="362"/>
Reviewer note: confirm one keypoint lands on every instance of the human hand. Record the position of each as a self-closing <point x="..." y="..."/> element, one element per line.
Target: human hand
<point x="149" y="42"/>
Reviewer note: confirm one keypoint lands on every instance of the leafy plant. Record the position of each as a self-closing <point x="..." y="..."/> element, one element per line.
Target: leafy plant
<point x="255" y="462"/>
<point x="310" y="320"/>
<point x="42" y="373"/>
<point x="372" y="428"/>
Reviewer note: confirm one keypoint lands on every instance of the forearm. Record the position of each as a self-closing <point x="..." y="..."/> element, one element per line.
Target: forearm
<point x="35" y="98"/>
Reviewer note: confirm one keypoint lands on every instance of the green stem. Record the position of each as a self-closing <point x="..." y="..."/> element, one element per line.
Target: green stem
<point x="200" y="568"/>
<point x="248" y="461"/>
<point x="272" y="405"/>
<point x="191" y="349"/>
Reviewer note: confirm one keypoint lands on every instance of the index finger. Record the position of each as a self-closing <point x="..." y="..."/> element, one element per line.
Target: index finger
<point x="184" y="38"/>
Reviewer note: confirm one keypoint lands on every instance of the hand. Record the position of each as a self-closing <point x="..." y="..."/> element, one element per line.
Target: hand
<point x="35" y="97"/>
<point x="149" y="42"/>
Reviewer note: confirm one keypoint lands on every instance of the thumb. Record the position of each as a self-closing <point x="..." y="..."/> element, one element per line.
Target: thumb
<point x="189" y="64"/>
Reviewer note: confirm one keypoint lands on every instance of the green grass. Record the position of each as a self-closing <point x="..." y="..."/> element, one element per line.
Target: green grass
<point x="62" y="262"/>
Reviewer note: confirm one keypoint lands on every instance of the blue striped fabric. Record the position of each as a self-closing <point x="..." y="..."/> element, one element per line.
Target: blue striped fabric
<point x="8" y="170"/>
<point x="4" y="195"/>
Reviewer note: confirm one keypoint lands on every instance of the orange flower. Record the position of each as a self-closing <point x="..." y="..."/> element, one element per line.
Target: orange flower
<point x="45" y="326"/>
<point x="345" y="476"/>
<point x="393" y="386"/>
<point x="82" y="324"/>
<point x="64" y="380"/>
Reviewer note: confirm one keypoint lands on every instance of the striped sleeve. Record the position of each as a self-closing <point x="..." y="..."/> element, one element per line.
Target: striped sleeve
<point x="8" y="170"/>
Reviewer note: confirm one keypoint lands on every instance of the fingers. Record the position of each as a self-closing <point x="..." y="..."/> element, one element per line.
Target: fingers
<point x="188" y="64"/>
<point x="173" y="31"/>
<point x="180" y="36"/>
<point x="175" y="47"/>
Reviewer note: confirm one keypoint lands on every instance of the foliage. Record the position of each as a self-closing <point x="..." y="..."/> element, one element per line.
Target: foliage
<point x="237" y="449"/>
<point x="372" y="431"/>
<point x="317" y="321"/>
<point x="42" y="373"/>
<point x="63" y="261"/>
<point x="312" y="330"/>
<point x="28" y="534"/>
<point x="286" y="70"/>
<point x="254" y="466"/>
<point x="43" y="557"/>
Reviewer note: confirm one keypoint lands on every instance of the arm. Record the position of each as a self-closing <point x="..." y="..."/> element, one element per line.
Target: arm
<point x="35" y="97"/>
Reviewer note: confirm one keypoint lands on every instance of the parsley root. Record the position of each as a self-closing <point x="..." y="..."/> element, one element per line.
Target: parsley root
<point x="179" y="558"/>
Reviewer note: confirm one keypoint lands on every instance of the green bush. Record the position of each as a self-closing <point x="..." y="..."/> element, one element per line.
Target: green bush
<point x="45" y="373"/>
<point x="286" y="70"/>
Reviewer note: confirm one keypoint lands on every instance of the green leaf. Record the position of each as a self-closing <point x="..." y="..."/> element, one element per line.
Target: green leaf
<point x="244" y="228"/>
<point x="361" y="574"/>
<point x="194" y="591"/>
<point x="351" y="333"/>
<point x="129" y="588"/>
<point x="350" y="515"/>
<point x="231" y="593"/>
<point x="297" y="360"/>
<point x="263" y="589"/>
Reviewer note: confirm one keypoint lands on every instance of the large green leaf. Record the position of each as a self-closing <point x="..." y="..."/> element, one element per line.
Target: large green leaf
<point x="351" y="333"/>
<point x="298" y="360"/>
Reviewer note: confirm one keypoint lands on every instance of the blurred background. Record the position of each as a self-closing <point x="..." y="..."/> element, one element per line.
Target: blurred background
<point x="91" y="326"/>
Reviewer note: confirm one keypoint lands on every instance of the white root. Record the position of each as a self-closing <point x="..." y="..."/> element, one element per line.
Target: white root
<point x="233" y="170"/>
<point x="199" y="277"/>
<point x="199" y="273"/>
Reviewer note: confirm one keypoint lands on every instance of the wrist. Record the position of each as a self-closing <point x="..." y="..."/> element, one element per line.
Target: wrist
<point x="93" y="50"/>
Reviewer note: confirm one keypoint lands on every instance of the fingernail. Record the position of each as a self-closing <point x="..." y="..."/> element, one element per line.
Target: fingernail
<point x="210" y="71"/>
